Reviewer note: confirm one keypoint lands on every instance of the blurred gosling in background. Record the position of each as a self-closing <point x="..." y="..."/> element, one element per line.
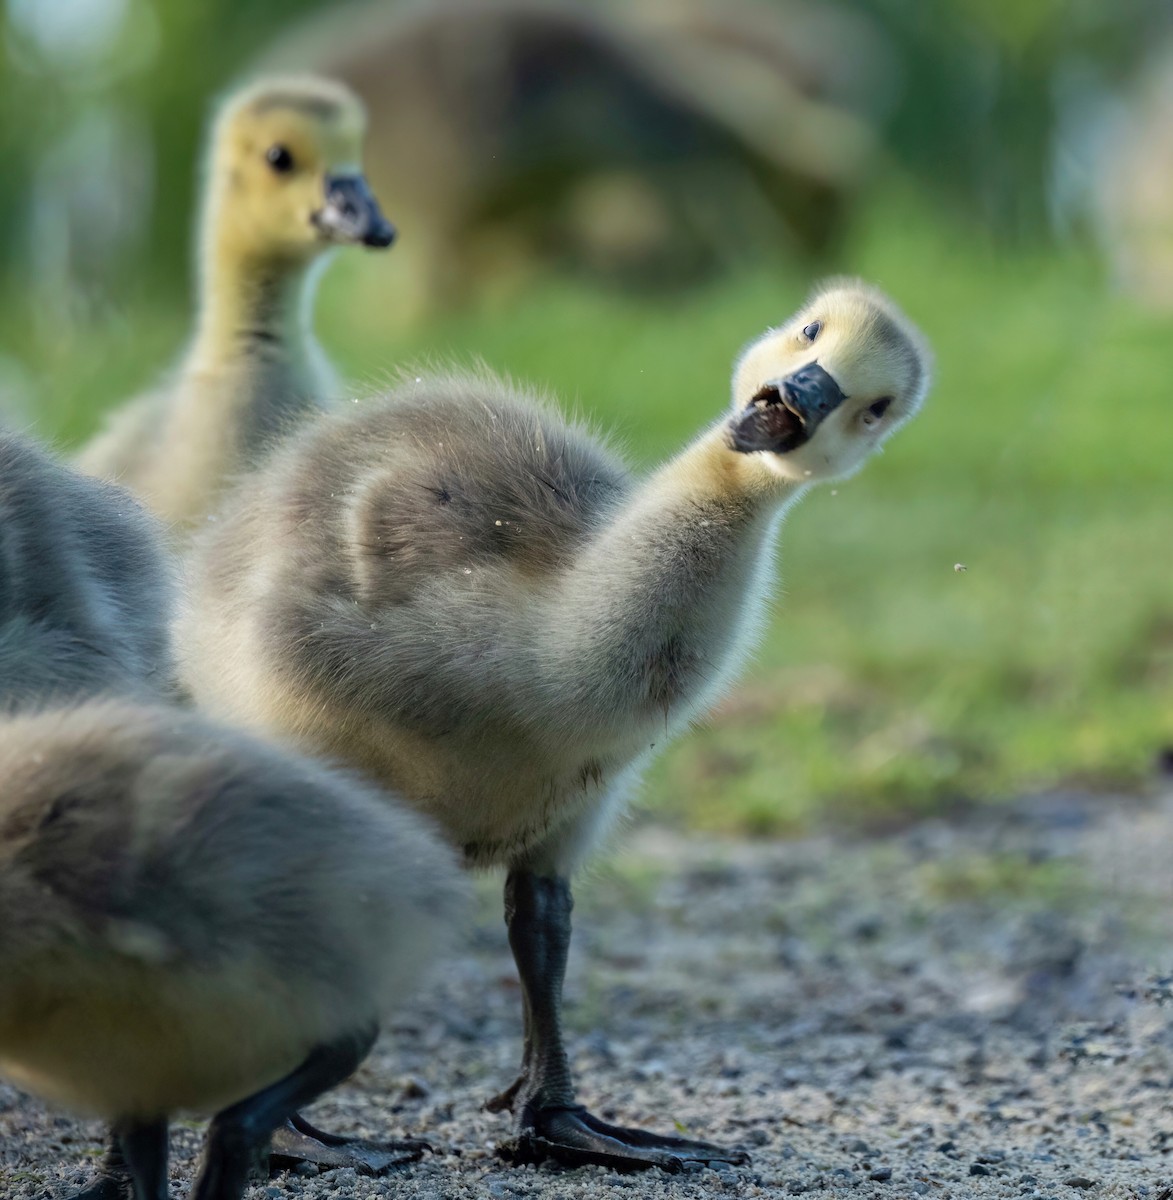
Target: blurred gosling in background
<point x="284" y="185"/>
<point x="191" y="920"/>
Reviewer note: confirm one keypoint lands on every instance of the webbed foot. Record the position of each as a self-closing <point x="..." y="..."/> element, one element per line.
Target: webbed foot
<point x="575" y="1137"/>
<point x="297" y="1141"/>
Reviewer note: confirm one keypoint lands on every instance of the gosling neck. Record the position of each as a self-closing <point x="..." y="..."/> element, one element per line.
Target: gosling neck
<point x="254" y="307"/>
<point x="715" y="470"/>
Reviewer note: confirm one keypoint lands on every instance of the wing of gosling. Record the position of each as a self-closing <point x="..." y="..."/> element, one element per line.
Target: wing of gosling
<point x="85" y="586"/>
<point x="389" y="559"/>
<point x="141" y="847"/>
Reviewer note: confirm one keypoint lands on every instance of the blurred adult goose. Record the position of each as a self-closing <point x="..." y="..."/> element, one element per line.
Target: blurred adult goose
<point x="85" y="588"/>
<point x="284" y="185"/>
<point x="192" y="920"/>
<point x="475" y="601"/>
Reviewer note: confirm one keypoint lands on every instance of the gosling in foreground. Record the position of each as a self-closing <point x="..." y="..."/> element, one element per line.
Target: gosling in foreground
<point x="284" y="187"/>
<point x="472" y="599"/>
<point x="192" y="920"/>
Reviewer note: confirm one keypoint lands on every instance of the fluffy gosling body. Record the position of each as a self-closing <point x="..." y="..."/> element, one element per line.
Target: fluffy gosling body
<point x="284" y="186"/>
<point x="474" y="600"/>
<point x="85" y="588"/>
<point x="158" y="955"/>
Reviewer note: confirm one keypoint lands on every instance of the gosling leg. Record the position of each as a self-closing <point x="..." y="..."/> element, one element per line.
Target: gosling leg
<point x="144" y="1149"/>
<point x="113" y="1180"/>
<point x="550" y="1124"/>
<point x="237" y="1134"/>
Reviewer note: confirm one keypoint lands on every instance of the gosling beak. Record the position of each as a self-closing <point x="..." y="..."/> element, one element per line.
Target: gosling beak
<point x="811" y="394"/>
<point x="352" y="214"/>
<point x="784" y="413"/>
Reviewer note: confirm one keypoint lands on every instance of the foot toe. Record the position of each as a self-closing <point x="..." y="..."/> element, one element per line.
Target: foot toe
<point x="575" y="1137"/>
<point x="687" y="1149"/>
<point x="290" y="1147"/>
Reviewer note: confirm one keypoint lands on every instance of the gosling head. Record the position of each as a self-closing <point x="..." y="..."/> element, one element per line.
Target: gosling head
<point x="819" y="394"/>
<point x="285" y="173"/>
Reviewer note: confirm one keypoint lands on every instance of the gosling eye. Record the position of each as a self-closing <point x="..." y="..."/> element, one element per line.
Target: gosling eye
<point x="812" y="330"/>
<point x="875" y="411"/>
<point x="279" y="158"/>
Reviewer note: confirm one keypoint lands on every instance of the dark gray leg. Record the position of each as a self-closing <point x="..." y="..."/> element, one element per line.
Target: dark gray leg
<point x="113" y="1180"/>
<point x="506" y="1101"/>
<point x="238" y="1133"/>
<point x="144" y="1149"/>
<point x="549" y="1122"/>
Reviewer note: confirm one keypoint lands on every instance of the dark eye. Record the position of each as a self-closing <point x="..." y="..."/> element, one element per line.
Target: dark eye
<point x="279" y="158"/>
<point x="812" y="330"/>
<point x="880" y="407"/>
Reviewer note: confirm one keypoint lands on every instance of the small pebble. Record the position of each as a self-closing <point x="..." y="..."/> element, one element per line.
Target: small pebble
<point x="978" y="1169"/>
<point x="881" y="1174"/>
<point x="414" y="1088"/>
<point x="1078" y="1181"/>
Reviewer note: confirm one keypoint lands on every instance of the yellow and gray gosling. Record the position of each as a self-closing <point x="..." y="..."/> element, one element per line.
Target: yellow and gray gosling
<point x="85" y="609"/>
<point x="284" y="185"/>
<point x="192" y="920"/>
<point x="474" y="600"/>
<point x="85" y="587"/>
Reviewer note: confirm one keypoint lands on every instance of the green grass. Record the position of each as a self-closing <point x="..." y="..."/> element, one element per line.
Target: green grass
<point x="888" y="683"/>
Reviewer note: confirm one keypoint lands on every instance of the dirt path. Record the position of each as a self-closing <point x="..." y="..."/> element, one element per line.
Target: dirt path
<point x="952" y="1011"/>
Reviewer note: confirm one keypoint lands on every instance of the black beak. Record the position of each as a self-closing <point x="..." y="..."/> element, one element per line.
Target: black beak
<point x="785" y="413"/>
<point x="352" y="214"/>
<point x="811" y="394"/>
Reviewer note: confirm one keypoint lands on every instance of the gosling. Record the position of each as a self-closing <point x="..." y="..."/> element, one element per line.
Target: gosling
<point x="284" y="186"/>
<point x="85" y="588"/>
<point x="473" y="600"/>
<point x="158" y="955"/>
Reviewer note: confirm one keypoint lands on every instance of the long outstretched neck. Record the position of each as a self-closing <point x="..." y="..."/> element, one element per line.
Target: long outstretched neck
<point x="659" y="606"/>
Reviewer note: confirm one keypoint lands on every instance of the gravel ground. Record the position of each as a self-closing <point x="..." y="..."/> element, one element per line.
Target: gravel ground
<point x="973" y="1009"/>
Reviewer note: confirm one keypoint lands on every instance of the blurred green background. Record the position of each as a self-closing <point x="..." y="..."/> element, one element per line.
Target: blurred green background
<point x="973" y="138"/>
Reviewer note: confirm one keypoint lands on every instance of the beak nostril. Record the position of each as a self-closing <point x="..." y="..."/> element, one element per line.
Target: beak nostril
<point x="352" y="214"/>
